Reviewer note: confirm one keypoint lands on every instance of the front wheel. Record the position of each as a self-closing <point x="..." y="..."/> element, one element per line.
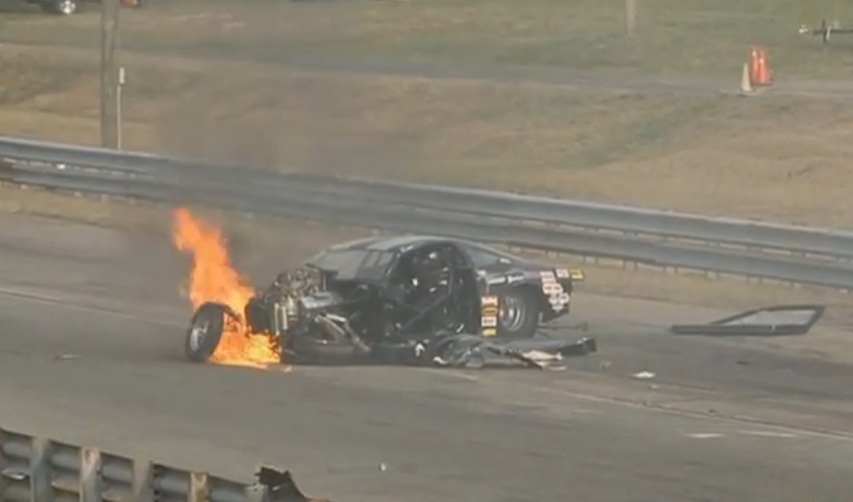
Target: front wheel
<point x="519" y="314"/>
<point x="205" y="332"/>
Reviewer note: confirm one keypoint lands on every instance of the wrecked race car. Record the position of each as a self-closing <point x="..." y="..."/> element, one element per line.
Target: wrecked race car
<point x="404" y="300"/>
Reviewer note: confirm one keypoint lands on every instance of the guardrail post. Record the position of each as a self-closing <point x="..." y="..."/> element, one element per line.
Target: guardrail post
<point x="40" y="475"/>
<point x="3" y="483"/>
<point x="142" y="485"/>
<point x="199" y="487"/>
<point x="90" y="475"/>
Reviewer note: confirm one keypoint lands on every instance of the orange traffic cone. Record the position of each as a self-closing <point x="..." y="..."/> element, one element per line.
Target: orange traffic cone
<point x="764" y="75"/>
<point x="753" y="66"/>
<point x="759" y="68"/>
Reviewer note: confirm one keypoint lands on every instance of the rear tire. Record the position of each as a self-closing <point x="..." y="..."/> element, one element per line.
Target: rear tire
<point x="519" y="317"/>
<point x="205" y="332"/>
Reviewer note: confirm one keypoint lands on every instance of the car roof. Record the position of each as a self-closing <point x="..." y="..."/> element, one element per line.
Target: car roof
<point x="399" y="243"/>
<point x="389" y="243"/>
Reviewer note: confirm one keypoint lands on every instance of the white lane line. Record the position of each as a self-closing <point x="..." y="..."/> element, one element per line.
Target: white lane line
<point x="45" y="299"/>
<point x="705" y="435"/>
<point x="758" y="433"/>
<point x="669" y="410"/>
<point x="770" y="434"/>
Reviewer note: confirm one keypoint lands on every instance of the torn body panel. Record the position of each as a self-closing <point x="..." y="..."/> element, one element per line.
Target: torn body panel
<point x="450" y="350"/>
<point x="468" y="351"/>
<point x="779" y="320"/>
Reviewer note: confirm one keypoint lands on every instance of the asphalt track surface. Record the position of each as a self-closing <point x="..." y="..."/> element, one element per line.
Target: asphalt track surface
<point x="698" y="431"/>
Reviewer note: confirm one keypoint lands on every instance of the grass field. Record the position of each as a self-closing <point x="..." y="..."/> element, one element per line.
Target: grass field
<point x="679" y="37"/>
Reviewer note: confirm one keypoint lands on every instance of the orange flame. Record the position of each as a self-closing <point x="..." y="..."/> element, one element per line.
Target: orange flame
<point x="214" y="280"/>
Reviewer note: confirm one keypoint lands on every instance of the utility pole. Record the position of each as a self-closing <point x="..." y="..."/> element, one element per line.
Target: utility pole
<point x="110" y="69"/>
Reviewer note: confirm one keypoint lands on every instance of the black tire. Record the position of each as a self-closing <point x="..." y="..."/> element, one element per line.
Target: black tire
<point x="205" y="332"/>
<point x="525" y="320"/>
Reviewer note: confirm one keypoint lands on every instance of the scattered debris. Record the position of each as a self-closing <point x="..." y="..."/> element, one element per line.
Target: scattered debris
<point x="281" y="486"/>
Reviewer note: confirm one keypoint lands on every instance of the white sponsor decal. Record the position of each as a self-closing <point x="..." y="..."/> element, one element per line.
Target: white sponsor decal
<point x="557" y="296"/>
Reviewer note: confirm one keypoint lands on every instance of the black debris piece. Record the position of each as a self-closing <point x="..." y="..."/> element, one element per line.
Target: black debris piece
<point x="779" y="320"/>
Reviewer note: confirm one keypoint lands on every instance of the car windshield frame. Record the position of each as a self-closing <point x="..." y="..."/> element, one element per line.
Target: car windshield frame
<point x="768" y="321"/>
<point x="357" y="264"/>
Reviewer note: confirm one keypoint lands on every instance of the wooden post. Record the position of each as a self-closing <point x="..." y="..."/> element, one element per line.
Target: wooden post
<point x="630" y="18"/>
<point x="118" y="122"/>
<point x="109" y="73"/>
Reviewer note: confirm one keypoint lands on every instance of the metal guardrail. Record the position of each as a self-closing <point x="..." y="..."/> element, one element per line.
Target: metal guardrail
<point x="36" y="469"/>
<point x="659" y="238"/>
<point x="641" y="221"/>
<point x="826" y="30"/>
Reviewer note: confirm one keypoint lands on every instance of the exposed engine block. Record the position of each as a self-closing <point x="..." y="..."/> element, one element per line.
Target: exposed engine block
<point x="297" y="299"/>
<point x="300" y="282"/>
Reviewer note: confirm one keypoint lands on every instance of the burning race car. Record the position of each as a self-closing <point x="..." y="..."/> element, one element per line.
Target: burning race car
<point x="401" y="300"/>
